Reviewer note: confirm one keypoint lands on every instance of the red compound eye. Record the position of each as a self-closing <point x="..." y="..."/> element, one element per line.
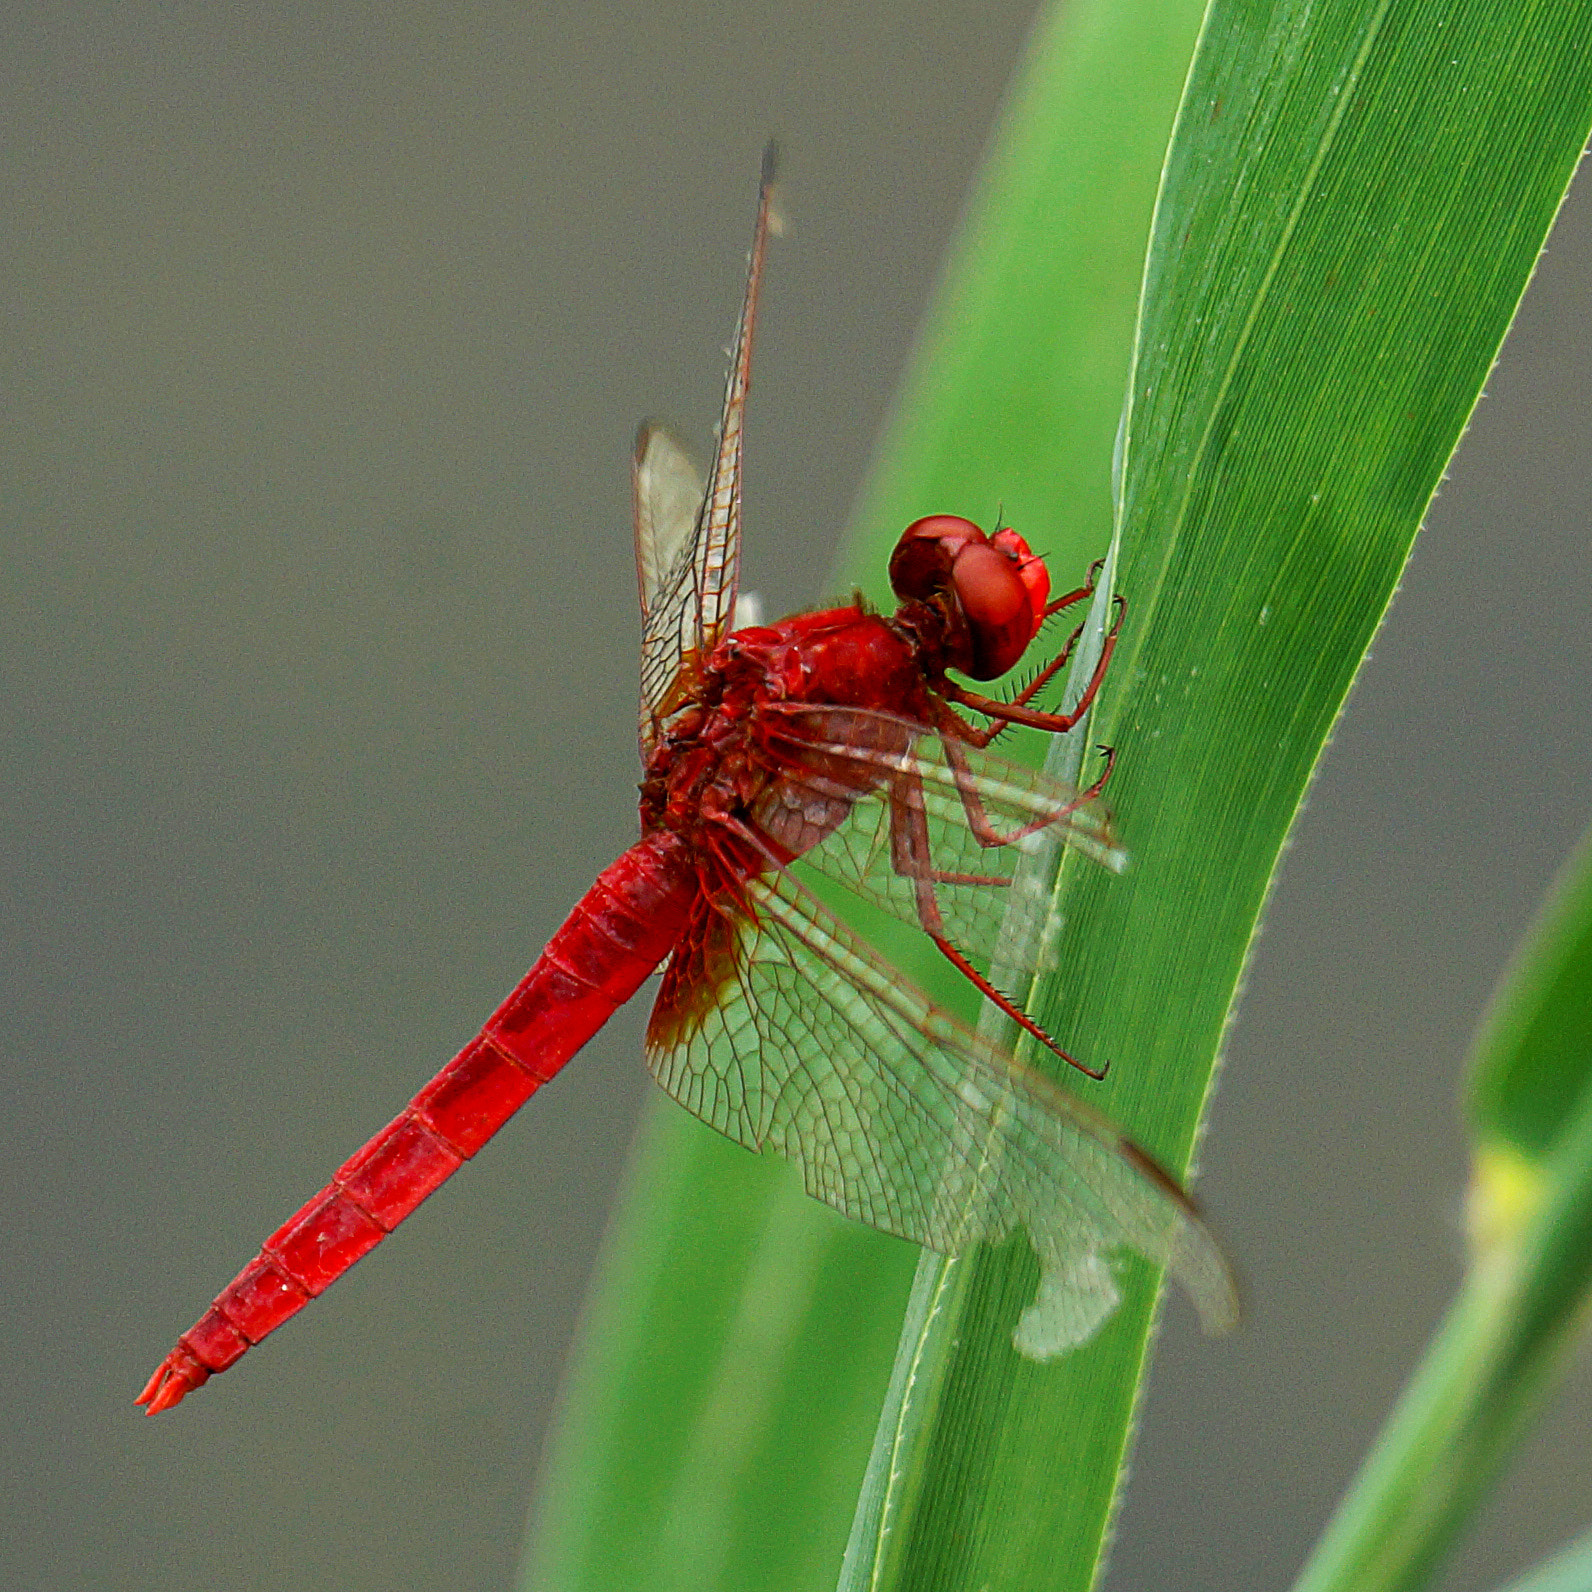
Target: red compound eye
<point x="920" y="567"/>
<point x="999" y="585"/>
<point x="1031" y="569"/>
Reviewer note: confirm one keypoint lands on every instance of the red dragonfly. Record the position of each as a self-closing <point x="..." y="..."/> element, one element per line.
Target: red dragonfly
<point x="833" y="738"/>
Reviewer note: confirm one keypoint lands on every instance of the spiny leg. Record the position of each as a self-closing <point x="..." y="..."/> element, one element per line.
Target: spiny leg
<point x="910" y="857"/>
<point x="1018" y="712"/>
<point x="911" y="854"/>
<point x="953" y="738"/>
<point x="1010" y="1008"/>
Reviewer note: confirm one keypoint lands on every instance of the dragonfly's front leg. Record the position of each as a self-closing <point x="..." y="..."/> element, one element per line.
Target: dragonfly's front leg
<point x="1017" y="710"/>
<point x="911" y="857"/>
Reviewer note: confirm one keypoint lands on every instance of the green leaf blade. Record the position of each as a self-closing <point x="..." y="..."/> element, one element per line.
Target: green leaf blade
<point x="1535" y="1049"/>
<point x="1507" y="1334"/>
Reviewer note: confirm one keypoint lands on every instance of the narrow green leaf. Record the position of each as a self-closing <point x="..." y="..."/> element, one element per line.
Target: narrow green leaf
<point x="1535" y="1049"/>
<point x="1569" y="1570"/>
<point x="927" y="1349"/>
<point x="1525" y="1292"/>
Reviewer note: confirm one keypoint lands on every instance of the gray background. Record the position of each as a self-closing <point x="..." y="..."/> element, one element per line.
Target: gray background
<point x="326" y="330"/>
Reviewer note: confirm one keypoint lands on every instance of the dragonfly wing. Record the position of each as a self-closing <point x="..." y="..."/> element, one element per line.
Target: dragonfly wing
<point x="931" y="811"/>
<point x="693" y="592"/>
<point x="667" y="493"/>
<point x="668" y="490"/>
<point x="785" y="1032"/>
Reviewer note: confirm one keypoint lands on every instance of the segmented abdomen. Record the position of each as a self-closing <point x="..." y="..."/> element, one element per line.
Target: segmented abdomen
<point x="616" y="935"/>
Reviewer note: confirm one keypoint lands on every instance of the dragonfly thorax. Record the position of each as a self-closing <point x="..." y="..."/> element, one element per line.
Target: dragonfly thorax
<point x="717" y="756"/>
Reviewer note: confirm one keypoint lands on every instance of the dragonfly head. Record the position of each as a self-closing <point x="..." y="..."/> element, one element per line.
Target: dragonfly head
<point x="993" y="584"/>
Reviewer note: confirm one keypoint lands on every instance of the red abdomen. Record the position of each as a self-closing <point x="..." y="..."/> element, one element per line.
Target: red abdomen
<point x="617" y="934"/>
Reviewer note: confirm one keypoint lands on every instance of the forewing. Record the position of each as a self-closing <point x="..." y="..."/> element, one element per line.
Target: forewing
<point x="785" y="1032"/>
<point x="951" y="799"/>
<point x="693" y="593"/>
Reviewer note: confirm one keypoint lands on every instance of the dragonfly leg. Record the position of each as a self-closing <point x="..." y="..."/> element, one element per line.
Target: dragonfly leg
<point x="978" y="819"/>
<point x="1017" y="711"/>
<point x="1110" y="755"/>
<point x="1011" y="1008"/>
<point x="1057" y="604"/>
<point x="979" y="822"/>
<point x="910" y="856"/>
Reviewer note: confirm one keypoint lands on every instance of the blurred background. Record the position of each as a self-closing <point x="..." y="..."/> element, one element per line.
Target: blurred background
<point x="327" y="331"/>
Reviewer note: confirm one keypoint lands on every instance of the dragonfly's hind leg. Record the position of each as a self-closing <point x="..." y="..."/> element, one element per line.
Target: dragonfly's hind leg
<point x="1010" y="1007"/>
<point x="911" y="857"/>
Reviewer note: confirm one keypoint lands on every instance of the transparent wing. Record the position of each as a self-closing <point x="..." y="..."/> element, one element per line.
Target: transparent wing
<point x="667" y="491"/>
<point x="692" y="591"/>
<point x="667" y="494"/>
<point x="916" y="823"/>
<point x="780" y="1028"/>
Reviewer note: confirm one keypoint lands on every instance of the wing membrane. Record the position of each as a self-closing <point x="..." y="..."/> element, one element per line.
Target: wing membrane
<point x="693" y="590"/>
<point x="788" y="1034"/>
<point x="668" y="490"/>
<point x="947" y="793"/>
